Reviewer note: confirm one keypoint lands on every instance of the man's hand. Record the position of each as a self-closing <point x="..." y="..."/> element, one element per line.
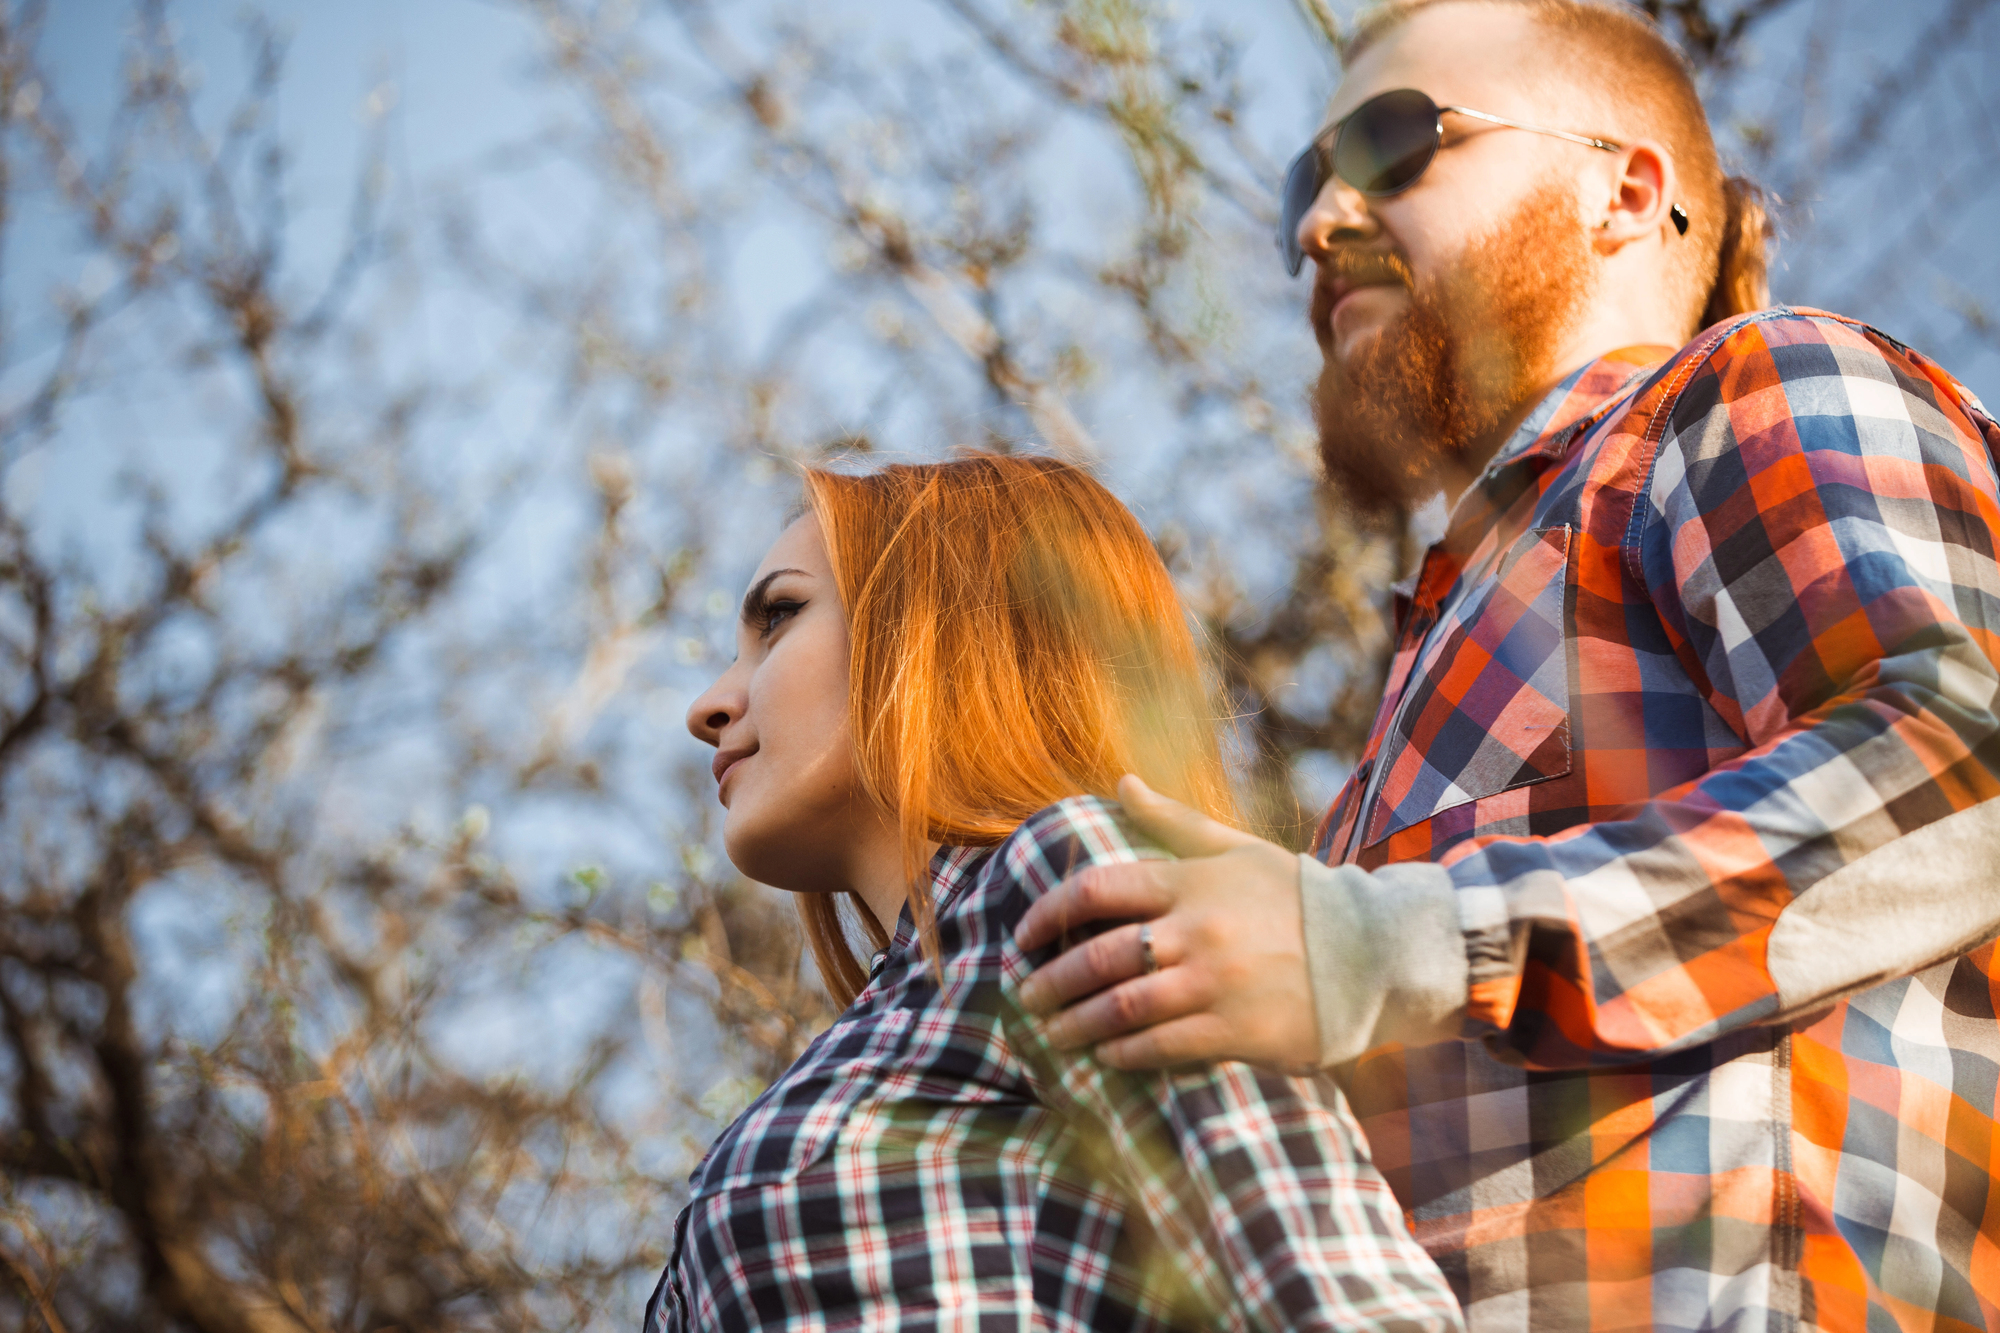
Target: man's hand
<point x="1227" y="934"/>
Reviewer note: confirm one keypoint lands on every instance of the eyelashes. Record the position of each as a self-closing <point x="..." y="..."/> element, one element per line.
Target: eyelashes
<point x="776" y="613"/>
<point x="765" y="614"/>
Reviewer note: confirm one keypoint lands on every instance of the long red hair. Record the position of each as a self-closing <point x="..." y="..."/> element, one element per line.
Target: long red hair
<point x="1016" y="640"/>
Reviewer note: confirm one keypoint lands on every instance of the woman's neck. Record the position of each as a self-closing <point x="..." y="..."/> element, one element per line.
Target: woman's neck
<point x="882" y="893"/>
<point x="876" y="874"/>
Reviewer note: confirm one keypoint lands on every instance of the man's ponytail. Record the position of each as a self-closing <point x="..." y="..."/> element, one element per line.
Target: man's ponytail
<point x="1742" y="277"/>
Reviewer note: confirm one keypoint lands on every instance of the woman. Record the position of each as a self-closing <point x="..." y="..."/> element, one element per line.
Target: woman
<point x="941" y="672"/>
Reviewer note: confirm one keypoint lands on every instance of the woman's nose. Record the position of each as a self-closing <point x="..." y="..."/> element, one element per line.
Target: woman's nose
<point x="719" y="705"/>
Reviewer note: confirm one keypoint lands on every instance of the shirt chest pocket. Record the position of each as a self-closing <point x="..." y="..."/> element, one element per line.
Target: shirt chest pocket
<point x="1487" y="708"/>
<point x="798" y="1119"/>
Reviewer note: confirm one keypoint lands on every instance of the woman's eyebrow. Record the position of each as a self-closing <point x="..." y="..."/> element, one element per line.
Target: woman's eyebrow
<point x="754" y="599"/>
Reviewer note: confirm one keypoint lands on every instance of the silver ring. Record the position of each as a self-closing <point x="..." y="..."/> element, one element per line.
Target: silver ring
<point x="1149" y="962"/>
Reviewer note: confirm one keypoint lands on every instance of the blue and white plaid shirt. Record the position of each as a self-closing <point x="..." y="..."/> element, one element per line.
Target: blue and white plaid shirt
<point x="930" y="1162"/>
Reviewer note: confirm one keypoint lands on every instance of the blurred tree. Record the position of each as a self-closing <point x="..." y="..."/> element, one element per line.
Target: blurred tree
<point x="366" y="957"/>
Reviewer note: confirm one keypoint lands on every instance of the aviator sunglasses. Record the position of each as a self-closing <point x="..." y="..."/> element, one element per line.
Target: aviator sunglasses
<point x="1383" y="147"/>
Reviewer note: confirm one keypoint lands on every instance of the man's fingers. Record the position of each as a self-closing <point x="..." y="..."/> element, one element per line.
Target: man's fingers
<point x="1202" y="1037"/>
<point x="1091" y="966"/>
<point x="1167" y="994"/>
<point x="1099" y="893"/>
<point x="1180" y="829"/>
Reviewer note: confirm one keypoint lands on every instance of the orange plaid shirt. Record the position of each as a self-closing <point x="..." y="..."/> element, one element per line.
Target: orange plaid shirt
<point x="1695" y="706"/>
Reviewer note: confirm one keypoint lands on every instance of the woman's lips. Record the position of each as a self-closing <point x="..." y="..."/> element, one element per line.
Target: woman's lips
<point x="726" y="763"/>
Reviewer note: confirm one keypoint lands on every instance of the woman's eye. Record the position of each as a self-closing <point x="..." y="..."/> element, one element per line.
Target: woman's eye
<point x="776" y="613"/>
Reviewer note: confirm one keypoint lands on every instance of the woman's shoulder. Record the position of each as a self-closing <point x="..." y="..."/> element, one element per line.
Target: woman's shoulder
<point x="999" y="881"/>
<point x="1061" y="839"/>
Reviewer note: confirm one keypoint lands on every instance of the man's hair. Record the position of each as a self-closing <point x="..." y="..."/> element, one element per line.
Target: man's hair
<point x="1642" y="83"/>
<point x="1016" y="640"/>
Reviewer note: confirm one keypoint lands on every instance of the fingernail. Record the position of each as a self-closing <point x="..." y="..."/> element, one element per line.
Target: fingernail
<point x="1031" y="997"/>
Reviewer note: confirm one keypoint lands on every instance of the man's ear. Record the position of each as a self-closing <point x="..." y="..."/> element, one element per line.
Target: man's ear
<point x="1642" y="198"/>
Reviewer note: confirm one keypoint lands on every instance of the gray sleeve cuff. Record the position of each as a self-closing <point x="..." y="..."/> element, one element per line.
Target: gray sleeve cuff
<point x="1385" y="954"/>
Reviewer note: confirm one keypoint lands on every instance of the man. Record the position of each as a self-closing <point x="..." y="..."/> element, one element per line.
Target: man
<point x="1651" y="939"/>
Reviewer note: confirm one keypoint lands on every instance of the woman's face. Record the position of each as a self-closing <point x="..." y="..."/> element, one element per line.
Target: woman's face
<point x="798" y="816"/>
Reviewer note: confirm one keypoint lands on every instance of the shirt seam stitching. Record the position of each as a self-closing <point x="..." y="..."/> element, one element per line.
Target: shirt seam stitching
<point x="1655" y="435"/>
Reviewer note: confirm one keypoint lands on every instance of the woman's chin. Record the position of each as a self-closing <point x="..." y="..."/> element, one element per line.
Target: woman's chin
<point x="771" y="860"/>
<point x="749" y="855"/>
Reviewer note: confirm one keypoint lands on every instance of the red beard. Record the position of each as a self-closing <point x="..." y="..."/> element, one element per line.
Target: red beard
<point x="1473" y="346"/>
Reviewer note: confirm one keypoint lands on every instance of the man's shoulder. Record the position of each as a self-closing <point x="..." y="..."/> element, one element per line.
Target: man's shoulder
<point x="1797" y="362"/>
<point x="1764" y="349"/>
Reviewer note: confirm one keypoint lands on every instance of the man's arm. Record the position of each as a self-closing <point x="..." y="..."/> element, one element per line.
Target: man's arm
<point x="1266" y="956"/>
<point x="1256" y="1187"/>
<point x="1820" y="539"/>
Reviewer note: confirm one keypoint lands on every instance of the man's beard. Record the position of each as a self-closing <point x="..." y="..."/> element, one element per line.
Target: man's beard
<point x="1473" y="345"/>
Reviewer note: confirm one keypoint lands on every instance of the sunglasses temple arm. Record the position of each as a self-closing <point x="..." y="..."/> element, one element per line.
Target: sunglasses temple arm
<point x="1585" y="140"/>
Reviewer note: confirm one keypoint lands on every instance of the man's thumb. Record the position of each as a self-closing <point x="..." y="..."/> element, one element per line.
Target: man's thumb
<point x="1180" y="829"/>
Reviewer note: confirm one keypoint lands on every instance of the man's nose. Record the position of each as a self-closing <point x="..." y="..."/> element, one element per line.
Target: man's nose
<point x="1339" y="216"/>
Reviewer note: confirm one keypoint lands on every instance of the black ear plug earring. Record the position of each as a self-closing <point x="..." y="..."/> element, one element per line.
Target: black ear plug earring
<point x="1680" y="217"/>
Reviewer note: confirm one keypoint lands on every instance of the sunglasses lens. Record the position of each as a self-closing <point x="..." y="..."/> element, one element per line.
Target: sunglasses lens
<point x="1382" y="147"/>
<point x="1387" y="142"/>
<point x="1302" y="185"/>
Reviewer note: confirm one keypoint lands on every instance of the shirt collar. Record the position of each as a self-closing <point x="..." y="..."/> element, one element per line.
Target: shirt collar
<point x="951" y="869"/>
<point x="1583" y="393"/>
<point x="1587" y="392"/>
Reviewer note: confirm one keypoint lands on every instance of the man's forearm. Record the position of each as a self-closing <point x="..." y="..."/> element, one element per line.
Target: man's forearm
<point x="1386" y="955"/>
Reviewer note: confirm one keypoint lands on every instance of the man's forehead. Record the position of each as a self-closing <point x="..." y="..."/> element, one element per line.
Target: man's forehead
<point x="1471" y="54"/>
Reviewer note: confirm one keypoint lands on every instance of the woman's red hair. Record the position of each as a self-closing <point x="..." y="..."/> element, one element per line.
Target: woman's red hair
<point x="1016" y="640"/>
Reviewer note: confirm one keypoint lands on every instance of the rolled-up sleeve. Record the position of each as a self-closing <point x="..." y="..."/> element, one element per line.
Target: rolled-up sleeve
<point x="1818" y="537"/>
